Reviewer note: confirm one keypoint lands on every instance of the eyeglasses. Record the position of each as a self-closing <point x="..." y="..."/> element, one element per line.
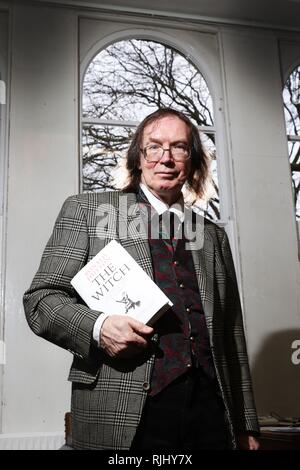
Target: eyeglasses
<point x="154" y="152"/>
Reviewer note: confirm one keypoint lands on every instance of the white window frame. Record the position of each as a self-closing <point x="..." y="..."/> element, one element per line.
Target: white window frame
<point x="216" y="86"/>
<point x="293" y="138"/>
<point x="158" y="36"/>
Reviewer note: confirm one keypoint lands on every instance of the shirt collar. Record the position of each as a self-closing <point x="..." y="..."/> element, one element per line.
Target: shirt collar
<point x="161" y="207"/>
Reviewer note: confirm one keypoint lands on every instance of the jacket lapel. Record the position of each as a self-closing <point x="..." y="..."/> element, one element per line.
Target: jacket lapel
<point x="133" y="234"/>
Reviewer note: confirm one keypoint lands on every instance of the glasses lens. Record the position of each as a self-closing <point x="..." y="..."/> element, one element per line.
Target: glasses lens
<point x="155" y="152"/>
<point x="179" y="152"/>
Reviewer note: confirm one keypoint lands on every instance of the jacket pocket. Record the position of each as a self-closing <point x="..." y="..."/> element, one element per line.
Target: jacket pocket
<point x="83" y="372"/>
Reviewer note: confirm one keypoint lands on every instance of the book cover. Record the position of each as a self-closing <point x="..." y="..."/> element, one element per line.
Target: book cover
<point x="113" y="283"/>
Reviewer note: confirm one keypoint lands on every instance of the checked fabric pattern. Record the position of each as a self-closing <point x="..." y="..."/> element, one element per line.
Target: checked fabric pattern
<point x="108" y="395"/>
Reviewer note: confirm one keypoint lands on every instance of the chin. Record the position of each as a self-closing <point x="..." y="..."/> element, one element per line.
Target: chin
<point x="165" y="189"/>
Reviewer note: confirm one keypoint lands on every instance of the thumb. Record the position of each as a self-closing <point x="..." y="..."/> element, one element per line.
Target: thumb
<point x="140" y="327"/>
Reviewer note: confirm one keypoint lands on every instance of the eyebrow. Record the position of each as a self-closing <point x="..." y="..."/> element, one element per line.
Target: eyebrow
<point x="158" y="141"/>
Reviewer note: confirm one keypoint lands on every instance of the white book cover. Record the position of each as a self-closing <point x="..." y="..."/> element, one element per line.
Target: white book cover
<point x="113" y="283"/>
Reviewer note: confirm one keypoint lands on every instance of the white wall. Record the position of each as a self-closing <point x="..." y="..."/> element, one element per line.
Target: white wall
<point x="3" y="160"/>
<point x="3" y="176"/>
<point x="43" y="170"/>
<point x="265" y="216"/>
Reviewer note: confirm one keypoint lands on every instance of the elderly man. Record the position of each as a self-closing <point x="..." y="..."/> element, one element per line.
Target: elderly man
<point x="185" y="383"/>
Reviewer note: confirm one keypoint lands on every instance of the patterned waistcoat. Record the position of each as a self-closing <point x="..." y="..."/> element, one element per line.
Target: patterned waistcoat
<point x="183" y="335"/>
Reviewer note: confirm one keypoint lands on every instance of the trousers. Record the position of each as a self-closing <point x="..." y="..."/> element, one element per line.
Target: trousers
<point x="188" y="414"/>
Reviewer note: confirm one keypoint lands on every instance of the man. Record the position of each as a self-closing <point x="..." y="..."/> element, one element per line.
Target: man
<point x="185" y="383"/>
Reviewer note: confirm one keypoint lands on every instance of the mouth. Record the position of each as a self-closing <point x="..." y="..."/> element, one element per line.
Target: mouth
<point x="167" y="174"/>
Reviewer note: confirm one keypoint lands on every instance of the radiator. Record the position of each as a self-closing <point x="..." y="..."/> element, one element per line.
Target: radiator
<point x="32" y="441"/>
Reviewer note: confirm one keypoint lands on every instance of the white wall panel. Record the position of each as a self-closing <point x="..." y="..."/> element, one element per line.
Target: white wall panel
<point x="4" y="55"/>
<point x="266" y="221"/>
<point x="43" y="171"/>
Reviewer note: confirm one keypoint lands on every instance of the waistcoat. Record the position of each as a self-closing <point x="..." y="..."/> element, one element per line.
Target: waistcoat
<point x="182" y="331"/>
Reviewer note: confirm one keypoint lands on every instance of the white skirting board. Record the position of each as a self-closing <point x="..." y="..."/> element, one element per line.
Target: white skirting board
<point x="32" y="441"/>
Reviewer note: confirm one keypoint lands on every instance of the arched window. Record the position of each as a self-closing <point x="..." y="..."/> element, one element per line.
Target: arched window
<point x="291" y="98"/>
<point x="124" y="83"/>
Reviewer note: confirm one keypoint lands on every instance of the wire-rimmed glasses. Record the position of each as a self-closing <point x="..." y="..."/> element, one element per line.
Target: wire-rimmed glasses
<point x="154" y="152"/>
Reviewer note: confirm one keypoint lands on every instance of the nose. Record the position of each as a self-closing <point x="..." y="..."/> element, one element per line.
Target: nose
<point x="167" y="156"/>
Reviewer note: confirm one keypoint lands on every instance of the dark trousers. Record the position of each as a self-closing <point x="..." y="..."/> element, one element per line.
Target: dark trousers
<point x="187" y="415"/>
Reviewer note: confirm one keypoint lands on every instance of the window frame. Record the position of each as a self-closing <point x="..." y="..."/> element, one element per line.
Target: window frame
<point x="165" y="39"/>
<point x="292" y="137"/>
<point x="211" y="64"/>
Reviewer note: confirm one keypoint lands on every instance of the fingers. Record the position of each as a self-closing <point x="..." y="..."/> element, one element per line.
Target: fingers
<point x="253" y="443"/>
<point x="248" y="442"/>
<point x="140" y="328"/>
<point x="122" y="336"/>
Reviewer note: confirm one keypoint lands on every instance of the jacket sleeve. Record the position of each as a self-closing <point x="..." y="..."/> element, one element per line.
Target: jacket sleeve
<point x="244" y="410"/>
<point x="52" y="308"/>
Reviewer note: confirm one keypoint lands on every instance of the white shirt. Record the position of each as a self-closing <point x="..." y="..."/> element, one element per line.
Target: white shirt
<point x="160" y="207"/>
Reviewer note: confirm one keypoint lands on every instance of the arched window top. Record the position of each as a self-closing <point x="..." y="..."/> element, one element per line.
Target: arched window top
<point x="131" y="78"/>
<point x="123" y="84"/>
<point x="291" y="99"/>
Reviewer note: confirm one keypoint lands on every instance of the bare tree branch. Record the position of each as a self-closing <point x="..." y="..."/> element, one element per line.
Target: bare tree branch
<point x="128" y="80"/>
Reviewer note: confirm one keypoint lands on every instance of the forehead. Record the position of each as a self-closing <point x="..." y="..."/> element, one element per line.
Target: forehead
<point x="167" y="128"/>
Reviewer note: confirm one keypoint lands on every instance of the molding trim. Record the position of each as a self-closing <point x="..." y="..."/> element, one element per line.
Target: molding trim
<point x="157" y="14"/>
<point x="34" y="441"/>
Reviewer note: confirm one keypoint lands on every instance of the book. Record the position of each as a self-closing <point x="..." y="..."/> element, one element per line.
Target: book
<point x="114" y="283"/>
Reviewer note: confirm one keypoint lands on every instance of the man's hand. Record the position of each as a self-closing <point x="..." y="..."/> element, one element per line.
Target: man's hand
<point x="123" y="336"/>
<point x="247" y="442"/>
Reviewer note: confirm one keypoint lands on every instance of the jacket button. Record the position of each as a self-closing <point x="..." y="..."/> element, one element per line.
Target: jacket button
<point x="146" y="386"/>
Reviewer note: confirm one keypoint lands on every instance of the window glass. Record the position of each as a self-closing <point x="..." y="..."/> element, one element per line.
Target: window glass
<point x="291" y="99"/>
<point x="124" y="83"/>
<point x="103" y="149"/>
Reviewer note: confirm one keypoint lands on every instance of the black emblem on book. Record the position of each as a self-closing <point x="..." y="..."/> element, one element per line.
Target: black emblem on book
<point x="128" y="302"/>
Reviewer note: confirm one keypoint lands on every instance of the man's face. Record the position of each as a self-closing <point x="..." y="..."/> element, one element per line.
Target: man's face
<point x="166" y="177"/>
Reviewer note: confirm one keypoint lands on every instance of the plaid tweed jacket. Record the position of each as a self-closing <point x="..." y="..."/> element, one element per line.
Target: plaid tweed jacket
<point x="108" y="394"/>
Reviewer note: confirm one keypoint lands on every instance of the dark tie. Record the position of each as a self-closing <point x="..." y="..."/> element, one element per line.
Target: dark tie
<point x="169" y="229"/>
<point x="173" y="229"/>
<point x="175" y="223"/>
